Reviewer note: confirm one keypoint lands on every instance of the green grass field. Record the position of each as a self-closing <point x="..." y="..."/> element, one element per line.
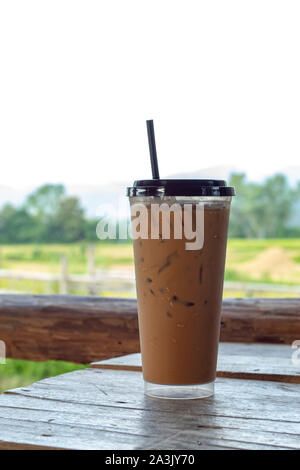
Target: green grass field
<point x="46" y="258"/>
<point x="269" y="261"/>
<point x="19" y="373"/>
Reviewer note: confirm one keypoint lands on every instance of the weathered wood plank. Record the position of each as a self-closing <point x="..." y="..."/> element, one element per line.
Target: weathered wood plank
<point x="65" y="437"/>
<point x="115" y="388"/>
<point x="235" y="360"/>
<point x="85" y="329"/>
<point x="198" y="440"/>
<point x="21" y="446"/>
<point x="128" y="418"/>
<point x="72" y="328"/>
<point x="106" y="409"/>
<point x="261" y="320"/>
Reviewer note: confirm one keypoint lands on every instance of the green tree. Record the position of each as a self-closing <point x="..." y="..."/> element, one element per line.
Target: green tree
<point x="16" y="225"/>
<point x="68" y="223"/>
<point x="240" y="224"/>
<point x="44" y="201"/>
<point x="262" y="210"/>
<point x="90" y="229"/>
<point x="274" y="206"/>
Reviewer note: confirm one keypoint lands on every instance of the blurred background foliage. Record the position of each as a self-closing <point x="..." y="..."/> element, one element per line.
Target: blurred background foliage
<point x="269" y="209"/>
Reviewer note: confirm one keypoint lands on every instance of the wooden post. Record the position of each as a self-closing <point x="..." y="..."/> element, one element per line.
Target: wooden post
<point x="91" y="268"/>
<point x="64" y="275"/>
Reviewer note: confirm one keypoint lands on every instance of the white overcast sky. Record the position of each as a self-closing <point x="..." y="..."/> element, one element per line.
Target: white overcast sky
<point x="78" y="79"/>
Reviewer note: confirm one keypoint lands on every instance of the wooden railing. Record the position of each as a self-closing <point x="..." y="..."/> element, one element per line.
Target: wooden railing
<point x="114" y="280"/>
<point x="83" y="329"/>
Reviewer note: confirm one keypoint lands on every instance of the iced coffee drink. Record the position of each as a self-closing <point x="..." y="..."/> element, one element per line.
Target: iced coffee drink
<point x="179" y="290"/>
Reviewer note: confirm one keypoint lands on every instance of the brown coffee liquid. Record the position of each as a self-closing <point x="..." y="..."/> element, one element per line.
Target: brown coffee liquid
<point x="179" y="302"/>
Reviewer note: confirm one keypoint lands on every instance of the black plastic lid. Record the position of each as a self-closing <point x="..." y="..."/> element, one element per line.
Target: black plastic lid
<point x="180" y="187"/>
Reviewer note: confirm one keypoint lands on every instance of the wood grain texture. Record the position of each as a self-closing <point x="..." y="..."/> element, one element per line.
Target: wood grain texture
<point x="72" y="328"/>
<point x="235" y="360"/>
<point x="107" y="409"/>
<point x="84" y="328"/>
<point x="261" y="320"/>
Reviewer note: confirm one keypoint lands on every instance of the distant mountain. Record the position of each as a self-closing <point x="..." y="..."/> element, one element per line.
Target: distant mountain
<point x="223" y="172"/>
<point x="93" y="197"/>
<point x="216" y="172"/>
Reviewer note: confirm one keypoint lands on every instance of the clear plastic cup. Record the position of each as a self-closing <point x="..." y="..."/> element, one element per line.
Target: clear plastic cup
<point x="179" y="287"/>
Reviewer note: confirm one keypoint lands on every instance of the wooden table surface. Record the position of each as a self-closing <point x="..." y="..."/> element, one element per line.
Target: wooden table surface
<point x="256" y="406"/>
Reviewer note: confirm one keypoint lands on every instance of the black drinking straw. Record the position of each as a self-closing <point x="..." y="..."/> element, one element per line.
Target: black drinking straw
<point x="152" y="149"/>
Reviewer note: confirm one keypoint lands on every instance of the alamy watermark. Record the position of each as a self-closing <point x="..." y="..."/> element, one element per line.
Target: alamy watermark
<point x="154" y="221"/>
<point x="2" y="352"/>
<point x="296" y="353"/>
